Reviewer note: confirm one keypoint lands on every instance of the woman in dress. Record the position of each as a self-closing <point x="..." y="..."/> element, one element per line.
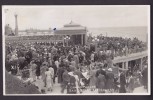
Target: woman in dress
<point x="93" y="78"/>
<point x="43" y="70"/>
<point x="48" y="76"/>
<point x="33" y="71"/>
<point x="131" y="83"/>
<point x="52" y="75"/>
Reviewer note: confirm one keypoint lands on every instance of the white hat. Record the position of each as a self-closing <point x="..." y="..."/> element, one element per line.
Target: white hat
<point x="71" y="73"/>
<point x="110" y="69"/>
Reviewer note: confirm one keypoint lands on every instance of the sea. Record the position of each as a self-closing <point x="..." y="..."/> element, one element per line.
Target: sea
<point x="140" y="32"/>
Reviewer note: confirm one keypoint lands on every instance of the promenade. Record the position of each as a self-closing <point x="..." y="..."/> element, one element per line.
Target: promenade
<point x="130" y="57"/>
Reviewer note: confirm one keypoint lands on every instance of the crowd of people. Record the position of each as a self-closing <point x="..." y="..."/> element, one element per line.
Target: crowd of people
<point x="118" y="45"/>
<point x="38" y="37"/>
<point x="75" y="67"/>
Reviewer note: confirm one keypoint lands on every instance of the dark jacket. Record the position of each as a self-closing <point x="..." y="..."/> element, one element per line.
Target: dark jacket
<point x="122" y="79"/>
<point x="110" y="80"/>
<point x="100" y="72"/>
<point x="101" y="80"/>
<point x="66" y="77"/>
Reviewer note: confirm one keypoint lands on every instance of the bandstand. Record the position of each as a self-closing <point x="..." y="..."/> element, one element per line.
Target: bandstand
<point x="76" y="32"/>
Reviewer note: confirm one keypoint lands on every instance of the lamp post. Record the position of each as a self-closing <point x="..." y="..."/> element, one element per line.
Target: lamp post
<point x="95" y="40"/>
<point x="67" y="38"/>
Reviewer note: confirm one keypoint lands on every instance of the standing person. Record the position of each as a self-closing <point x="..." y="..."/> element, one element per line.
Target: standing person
<point x="45" y="62"/>
<point x="76" y="59"/>
<point x="101" y="71"/>
<point x="131" y="83"/>
<point x="86" y="78"/>
<point x="73" y="63"/>
<point x="50" y="55"/>
<point x="33" y="71"/>
<point x="55" y="71"/>
<point x="48" y="76"/>
<point x="109" y="62"/>
<point x="122" y="83"/>
<point x="66" y="80"/>
<point x="7" y="65"/>
<point x="110" y="80"/>
<point x="93" y="79"/>
<point x="28" y="56"/>
<point x="43" y="70"/>
<point x="57" y="63"/>
<point x="139" y="77"/>
<point x="60" y="71"/>
<point x="74" y="82"/>
<point x="70" y="56"/>
<point x="101" y="80"/>
<point x="52" y="74"/>
<point x="81" y="58"/>
<point x="78" y="72"/>
<point x="38" y="63"/>
<point x="55" y="57"/>
<point x="92" y="57"/>
<point x="95" y="57"/>
<point x="50" y="61"/>
<point x="145" y="77"/>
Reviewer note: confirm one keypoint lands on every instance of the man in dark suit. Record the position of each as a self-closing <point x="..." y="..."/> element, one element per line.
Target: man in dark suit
<point x="110" y="80"/>
<point x="122" y="83"/>
<point x="66" y="79"/>
<point x="28" y="56"/>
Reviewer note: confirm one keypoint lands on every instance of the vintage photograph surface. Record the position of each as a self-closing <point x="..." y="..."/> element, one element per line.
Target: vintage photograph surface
<point x="76" y="50"/>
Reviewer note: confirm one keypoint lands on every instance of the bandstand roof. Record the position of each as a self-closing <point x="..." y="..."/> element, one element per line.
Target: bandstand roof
<point x="71" y="29"/>
<point x="72" y="24"/>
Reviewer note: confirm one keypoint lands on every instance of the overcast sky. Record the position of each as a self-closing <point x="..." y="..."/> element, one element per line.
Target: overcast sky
<point x="45" y="17"/>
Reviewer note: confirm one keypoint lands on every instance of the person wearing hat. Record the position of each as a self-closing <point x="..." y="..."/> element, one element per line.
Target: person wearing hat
<point x="74" y="81"/>
<point x="110" y="80"/>
<point x="101" y="71"/>
<point x="98" y="72"/>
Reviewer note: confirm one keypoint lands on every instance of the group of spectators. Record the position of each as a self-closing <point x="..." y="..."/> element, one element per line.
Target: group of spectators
<point x="118" y="45"/>
<point x="75" y="67"/>
<point x="39" y="37"/>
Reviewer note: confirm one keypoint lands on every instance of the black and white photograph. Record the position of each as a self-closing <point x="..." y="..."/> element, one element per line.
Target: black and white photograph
<point x="76" y="50"/>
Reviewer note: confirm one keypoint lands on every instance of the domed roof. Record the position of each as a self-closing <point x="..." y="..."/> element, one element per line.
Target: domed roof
<point x="71" y="28"/>
<point x="72" y="24"/>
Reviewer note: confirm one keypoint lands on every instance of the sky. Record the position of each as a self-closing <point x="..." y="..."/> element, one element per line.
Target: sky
<point x="45" y="17"/>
